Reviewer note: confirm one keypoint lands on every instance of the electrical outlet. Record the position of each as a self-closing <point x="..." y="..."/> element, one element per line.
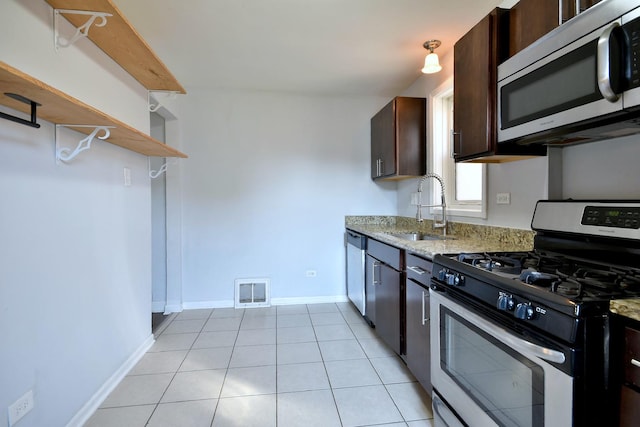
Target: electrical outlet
<point x="503" y="198"/>
<point x="414" y="199"/>
<point x="20" y="408"/>
<point x="127" y="177"/>
<point x="311" y="273"/>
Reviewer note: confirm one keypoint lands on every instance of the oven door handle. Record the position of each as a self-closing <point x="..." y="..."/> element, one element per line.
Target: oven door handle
<point x="535" y="349"/>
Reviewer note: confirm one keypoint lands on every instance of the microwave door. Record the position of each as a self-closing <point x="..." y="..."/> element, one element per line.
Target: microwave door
<point x="563" y="89"/>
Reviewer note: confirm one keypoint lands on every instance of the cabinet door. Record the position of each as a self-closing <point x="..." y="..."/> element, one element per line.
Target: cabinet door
<point x="398" y="139"/>
<point x="388" y="307"/>
<point x="474" y="98"/>
<point x="629" y="407"/>
<point x="383" y="131"/>
<point x="418" y="335"/>
<point x="531" y="19"/>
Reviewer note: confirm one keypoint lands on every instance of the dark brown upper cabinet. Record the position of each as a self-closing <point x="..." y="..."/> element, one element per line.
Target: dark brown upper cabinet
<point x="475" y="67"/>
<point x="398" y="140"/>
<point x="532" y="19"/>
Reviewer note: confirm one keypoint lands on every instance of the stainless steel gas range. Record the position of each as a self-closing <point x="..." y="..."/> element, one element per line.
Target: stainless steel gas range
<point x="522" y="338"/>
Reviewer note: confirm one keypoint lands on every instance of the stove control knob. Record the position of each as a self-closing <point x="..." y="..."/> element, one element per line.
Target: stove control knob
<point x="524" y="311"/>
<point x="454" y="279"/>
<point x="451" y="279"/>
<point x="506" y="303"/>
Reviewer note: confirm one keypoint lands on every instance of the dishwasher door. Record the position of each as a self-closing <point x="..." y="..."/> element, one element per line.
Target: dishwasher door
<point x="356" y="247"/>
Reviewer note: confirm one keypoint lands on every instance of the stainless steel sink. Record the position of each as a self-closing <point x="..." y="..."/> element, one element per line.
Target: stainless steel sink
<point x="420" y="236"/>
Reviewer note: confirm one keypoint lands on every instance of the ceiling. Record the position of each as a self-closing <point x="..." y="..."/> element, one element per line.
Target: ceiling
<point x="345" y="47"/>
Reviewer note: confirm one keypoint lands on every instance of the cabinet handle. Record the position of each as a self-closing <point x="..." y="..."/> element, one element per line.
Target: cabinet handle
<point x="417" y="270"/>
<point x="635" y="363"/>
<point x="373" y="272"/>
<point x="453" y="142"/>
<point x="425" y="295"/>
<point x="560" y="12"/>
<point x="379" y="167"/>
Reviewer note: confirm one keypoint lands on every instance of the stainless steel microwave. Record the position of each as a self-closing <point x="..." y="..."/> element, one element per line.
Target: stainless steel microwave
<point x="579" y="83"/>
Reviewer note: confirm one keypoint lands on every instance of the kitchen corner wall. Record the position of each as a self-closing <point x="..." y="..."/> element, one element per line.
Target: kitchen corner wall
<point x="75" y="266"/>
<point x="526" y="180"/>
<point x="266" y="188"/>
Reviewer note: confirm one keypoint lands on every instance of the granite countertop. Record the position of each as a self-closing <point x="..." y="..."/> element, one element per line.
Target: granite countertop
<point x="629" y="308"/>
<point x="460" y="237"/>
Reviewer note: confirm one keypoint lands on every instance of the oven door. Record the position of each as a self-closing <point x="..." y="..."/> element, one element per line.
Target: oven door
<point x="491" y="376"/>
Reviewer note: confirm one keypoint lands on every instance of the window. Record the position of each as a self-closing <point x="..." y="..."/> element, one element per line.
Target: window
<point x="464" y="182"/>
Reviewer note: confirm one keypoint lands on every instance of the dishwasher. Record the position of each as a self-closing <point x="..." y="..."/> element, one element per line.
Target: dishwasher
<point x="356" y="248"/>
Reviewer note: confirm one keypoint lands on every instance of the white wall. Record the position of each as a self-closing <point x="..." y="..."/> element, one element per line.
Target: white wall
<point x="526" y="180"/>
<point x="268" y="182"/>
<point x="75" y="243"/>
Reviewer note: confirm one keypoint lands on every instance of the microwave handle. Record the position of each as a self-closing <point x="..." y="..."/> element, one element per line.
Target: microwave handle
<point x="603" y="61"/>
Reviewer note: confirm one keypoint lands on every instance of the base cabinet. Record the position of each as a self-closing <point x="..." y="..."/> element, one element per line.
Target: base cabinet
<point x="418" y="334"/>
<point x="388" y="307"/>
<point x="630" y="389"/>
<point x="385" y="290"/>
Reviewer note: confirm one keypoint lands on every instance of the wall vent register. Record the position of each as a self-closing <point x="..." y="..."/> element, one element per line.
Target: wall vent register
<point x="252" y="293"/>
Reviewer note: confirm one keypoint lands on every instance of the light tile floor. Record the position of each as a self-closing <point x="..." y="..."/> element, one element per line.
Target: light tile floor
<point x="286" y="366"/>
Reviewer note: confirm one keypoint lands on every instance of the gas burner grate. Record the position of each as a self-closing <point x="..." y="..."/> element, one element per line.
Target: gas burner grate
<point x="494" y="263"/>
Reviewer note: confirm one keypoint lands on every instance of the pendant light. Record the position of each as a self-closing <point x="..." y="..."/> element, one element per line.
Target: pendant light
<point x="431" y="62"/>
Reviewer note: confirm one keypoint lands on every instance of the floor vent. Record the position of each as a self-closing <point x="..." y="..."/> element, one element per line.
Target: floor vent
<point x="252" y="293"/>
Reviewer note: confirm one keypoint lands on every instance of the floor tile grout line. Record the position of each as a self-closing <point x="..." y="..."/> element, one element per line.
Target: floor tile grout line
<point x="179" y="366"/>
<point x="278" y="348"/>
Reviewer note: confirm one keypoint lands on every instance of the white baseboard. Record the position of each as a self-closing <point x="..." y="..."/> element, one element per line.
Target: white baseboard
<point x="96" y="400"/>
<point x="309" y="300"/>
<point x="274" y="301"/>
<point x="207" y="304"/>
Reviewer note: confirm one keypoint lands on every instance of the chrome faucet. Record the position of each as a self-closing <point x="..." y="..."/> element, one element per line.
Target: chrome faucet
<point x="442" y="224"/>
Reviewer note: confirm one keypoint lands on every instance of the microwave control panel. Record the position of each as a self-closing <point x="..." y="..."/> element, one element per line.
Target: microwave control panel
<point x="632" y="33"/>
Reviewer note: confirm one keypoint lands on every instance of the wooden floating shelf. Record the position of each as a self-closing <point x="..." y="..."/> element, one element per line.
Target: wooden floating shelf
<point x="119" y="40"/>
<point x="59" y="108"/>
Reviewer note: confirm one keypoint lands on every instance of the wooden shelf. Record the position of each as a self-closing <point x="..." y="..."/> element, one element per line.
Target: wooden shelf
<point x="60" y="108"/>
<point x="123" y="44"/>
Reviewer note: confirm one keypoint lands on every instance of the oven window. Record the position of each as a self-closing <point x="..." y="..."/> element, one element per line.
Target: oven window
<point x="506" y="385"/>
<point x="567" y="82"/>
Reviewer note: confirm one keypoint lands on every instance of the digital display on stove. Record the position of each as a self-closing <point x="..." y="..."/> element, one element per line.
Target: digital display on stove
<point x="627" y="217"/>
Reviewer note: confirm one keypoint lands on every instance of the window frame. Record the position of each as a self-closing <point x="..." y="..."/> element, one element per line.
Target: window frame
<point x="438" y="151"/>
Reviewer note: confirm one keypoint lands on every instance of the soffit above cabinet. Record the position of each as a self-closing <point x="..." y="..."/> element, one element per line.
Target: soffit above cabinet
<point x="59" y="108"/>
<point x="120" y="41"/>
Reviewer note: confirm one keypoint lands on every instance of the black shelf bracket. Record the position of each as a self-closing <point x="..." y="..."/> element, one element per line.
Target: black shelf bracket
<point x="27" y="101"/>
